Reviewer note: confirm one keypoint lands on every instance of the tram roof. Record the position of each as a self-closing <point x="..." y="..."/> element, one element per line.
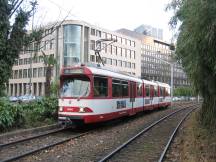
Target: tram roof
<point x="106" y="72"/>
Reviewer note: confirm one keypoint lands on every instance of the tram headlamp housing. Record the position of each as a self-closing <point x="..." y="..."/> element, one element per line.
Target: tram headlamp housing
<point x="60" y="108"/>
<point x="85" y="110"/>
<point x="82" y="109"/>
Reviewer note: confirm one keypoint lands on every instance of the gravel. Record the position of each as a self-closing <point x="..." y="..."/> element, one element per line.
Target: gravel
<point x="101" y="141"/>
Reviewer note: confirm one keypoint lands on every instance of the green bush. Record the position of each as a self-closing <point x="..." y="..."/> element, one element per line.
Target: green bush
<point x="41" y="112"/>
<point x="10" y="114"/>
<point x="28" y="114"/>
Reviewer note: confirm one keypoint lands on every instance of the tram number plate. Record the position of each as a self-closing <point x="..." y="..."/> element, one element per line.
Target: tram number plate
<point x="121" y="104"/>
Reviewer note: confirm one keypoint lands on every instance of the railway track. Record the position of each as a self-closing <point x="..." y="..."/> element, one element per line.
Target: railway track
<point x="134" y="148"/>
<point x="15" y="150"/>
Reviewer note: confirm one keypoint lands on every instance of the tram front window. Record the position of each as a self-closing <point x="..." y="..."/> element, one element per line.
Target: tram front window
<point x="75" y="87"/>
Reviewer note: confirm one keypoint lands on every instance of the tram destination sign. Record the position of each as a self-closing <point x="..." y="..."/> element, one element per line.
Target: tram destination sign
<point x="73" y="71"/>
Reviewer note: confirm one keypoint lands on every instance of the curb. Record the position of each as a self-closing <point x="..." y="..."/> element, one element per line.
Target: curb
<point x="28" y="131"/>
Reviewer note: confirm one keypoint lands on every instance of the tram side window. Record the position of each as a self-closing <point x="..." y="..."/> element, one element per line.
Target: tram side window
<point x="124" y="89"/>
<point x="161" y="91"/>
<point x="147" y="90"/>
<point x="100" y="87"/>
<point x="119" y="88"/>
<point x="139" y="89"/>
<point x="116" y="88"/>
<point x="155" y="91"/>
<point x="167" y="92"/>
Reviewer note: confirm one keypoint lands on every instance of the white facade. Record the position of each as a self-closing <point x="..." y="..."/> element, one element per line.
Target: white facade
<point x="70" y="43"/>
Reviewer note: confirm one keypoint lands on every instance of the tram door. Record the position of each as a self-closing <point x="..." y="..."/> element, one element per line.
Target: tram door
<point x="132" y="96"/>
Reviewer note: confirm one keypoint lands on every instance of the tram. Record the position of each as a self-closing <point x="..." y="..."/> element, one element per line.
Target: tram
<point x="94" y="94"/>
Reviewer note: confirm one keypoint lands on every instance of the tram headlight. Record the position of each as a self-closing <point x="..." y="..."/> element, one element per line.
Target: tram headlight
<point x="60" y="108"/>
<point x="85" y="110"/>
<point x="82" y="110"/>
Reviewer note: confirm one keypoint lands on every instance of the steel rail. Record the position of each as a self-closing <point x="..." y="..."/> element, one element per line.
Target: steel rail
<point x="32" y="137"/>
<point x="139" y="134"/>
<point x="173" y="135"/>
<point x="44" y="147"/>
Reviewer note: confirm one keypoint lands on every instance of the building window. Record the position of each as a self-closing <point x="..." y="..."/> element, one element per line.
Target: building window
<point x="104" y="47"/>
<point x="129" y="53"/>
<point x="119" y="51"/>
<point x="72" y="44"/>
<point x="15" y="74"/>
<point x="123" y="51"/>
<point x="92" y="58"/>
<point x="25" y="61"/>
<point x="128" y="64"/>
<point x="133" y="54"/>
<point x="114" y="62"/>
<point x="34" y="72"/>
<point x="133" y="65"/>
<point x="114" y="37"/>
<point x="40" y="72"/>
<point x="92" y="45"/>
<point x="109" y="36"/>
<point x="128" y="42"/>
<point x="16" y="62"/>
<point x="98" y="33"/>
<point x="104" y="35"/>
<point x="104" y="60"/>
<point x="92" y="31"/>
<point x="25" y="73"/>
<point x="132" y="43"/>
<point x="124" y="64"/>
<point x="114" y="50"/>
<point x="119" y="39"/>
<point x="109" y="49"/>
<point x="51" y="43"/>
<point x="123" y="41"/>
<point x="20" y="61"/>
<point x="29" y="73"/>
<point x="109" y="61"/>
<point x="120" y="63"/>
<point x="20" y="73"/>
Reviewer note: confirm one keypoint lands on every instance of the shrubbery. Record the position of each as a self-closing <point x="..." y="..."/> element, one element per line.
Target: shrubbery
<point x="28" y="114"/>
<point x="10" y="114"/>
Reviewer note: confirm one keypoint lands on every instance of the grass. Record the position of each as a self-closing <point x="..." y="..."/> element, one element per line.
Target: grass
<point x="197" y="144"/>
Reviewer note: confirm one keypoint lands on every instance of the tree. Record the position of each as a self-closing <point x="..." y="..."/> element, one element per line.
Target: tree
<point x="196" y="49"/>
<point x="183" y="91"/>
<point x="49" y="62"/>
<point x="12" y="35"/>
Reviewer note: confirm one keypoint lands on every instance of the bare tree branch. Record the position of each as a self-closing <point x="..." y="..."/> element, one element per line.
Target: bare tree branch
<point x="16" y="7"/>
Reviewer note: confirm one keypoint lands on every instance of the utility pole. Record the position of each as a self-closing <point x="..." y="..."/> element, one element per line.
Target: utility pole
<point x="31" y="52"/>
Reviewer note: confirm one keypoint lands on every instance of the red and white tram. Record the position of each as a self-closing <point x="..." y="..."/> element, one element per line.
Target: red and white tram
<point x="92" y="94"/>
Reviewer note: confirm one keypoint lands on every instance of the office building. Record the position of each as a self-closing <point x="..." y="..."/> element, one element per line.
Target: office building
<point x="152" y="52"/>
<point x="72" y="42"/>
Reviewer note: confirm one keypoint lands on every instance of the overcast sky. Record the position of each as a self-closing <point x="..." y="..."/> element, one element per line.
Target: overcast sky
<point x="108" y="14"/>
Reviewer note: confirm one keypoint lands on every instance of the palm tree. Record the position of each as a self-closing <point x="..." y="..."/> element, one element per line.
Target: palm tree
<point x="49" y="62"/>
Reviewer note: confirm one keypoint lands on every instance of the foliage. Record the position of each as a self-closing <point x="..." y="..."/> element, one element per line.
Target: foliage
<point x="13" y="35"/>
<point x="183" y="91"/>
<point x="10" y="114"/>
<point x="49" y="62"/>
<point x="196" y="50"/>
<point x="54" y="88"/>
<point x="28" y="114"/>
